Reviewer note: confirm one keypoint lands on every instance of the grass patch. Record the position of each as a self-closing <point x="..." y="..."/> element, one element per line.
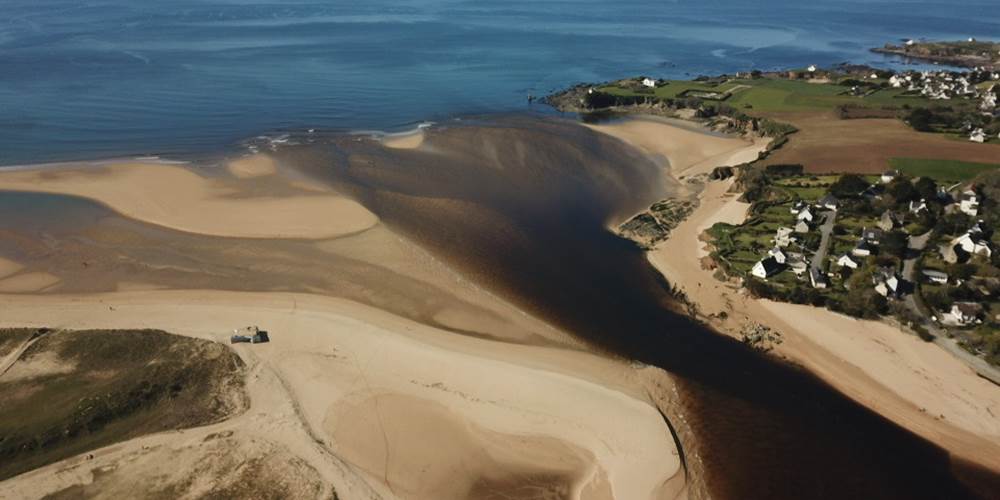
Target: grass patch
<point x="109" y="386"/>
<point x="941" y="170"/>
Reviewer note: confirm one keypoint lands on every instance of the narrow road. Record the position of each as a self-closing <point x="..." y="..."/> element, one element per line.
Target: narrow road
<point x="8" y="361"/>
<point x="824" y="243"/>
<point x="915" y="247"/>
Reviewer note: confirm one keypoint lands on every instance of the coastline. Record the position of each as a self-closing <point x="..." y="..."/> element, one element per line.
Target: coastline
<point x="334" y="363"/>
<point x="587" y="467"/>
<point x="913" y="383"/>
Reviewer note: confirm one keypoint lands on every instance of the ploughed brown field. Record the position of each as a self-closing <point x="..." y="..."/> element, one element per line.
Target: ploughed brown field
<point x="826" y="143"/>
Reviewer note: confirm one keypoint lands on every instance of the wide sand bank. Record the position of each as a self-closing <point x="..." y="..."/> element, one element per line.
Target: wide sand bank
<point x="180" y="198"/>
<point x="411" y="411"/>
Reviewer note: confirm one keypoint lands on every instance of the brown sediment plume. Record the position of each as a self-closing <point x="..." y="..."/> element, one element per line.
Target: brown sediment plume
<point x="522" y="206"/>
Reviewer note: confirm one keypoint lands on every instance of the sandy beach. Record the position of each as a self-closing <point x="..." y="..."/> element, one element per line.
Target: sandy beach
<point x="911" y="382"/>
<point x="682" y="146"/>
<point x="177" y="197"/>
<point x="330" y="388"/>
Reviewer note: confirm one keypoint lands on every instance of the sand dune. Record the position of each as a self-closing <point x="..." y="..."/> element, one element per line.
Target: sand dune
<point x="460" y="416"/>
<point x="681" y="146"/>
<point x="178" y="198"/>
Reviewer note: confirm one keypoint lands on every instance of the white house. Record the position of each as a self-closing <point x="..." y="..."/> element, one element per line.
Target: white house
<point x="974" y="243"/>
<point x="910" y="43"/>
<point x="968" y="203"/>
<point x="965" y="313"/>
<point x="846" y="261"/>
<point x="805" y="214"/>
<point x="765" y="268"/>
<point x="811" y="68"/>
<point x="935" y="276"/>
<point x="797" y="264"/>
<point x="895" y="81"/>
<point x="918" y="206"/>
<point x="978" y="136"/>
<point x="829" y="202"/>
<point x="871" y="235"/>
<point x="889" y="175"/>
<point x="862" y="249"/>
<point x="816" y="278"/>
<point x="778" y="255"/>
<point x="783" y="237"/>
<point x="649" y="82"/>
<point x="797" y="207"/>
<point x="887" y="284"/>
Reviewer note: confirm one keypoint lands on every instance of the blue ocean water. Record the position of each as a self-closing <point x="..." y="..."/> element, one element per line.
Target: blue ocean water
<point x="94" y="78"/>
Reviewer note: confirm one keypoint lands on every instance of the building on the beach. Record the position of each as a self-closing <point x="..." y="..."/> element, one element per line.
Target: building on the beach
<point x="933" y="276"/>
<point x="765" y="268"/>
<point x="812" y="68"/>
<point x="965" y="313"/>
<point x="249" y="334"/>
<point x="968" y="203"/>
<point x="649" y="82"/>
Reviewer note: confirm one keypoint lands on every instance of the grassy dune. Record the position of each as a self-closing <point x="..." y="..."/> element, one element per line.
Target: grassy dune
<point x="73" y="391"/>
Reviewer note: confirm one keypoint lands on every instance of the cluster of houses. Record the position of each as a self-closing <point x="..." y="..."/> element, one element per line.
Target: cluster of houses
<point x="944" y="85"/>
<point x="779" y="258"/>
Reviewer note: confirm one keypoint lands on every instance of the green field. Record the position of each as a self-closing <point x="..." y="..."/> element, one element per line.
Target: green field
<point x="941" y="170"/>
<point x="779" y="95"/>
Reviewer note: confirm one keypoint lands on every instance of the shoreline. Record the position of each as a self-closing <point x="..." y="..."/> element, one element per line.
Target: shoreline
<point x="877" y="365"/>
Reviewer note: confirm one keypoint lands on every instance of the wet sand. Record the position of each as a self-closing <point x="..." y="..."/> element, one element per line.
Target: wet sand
<point x="179" y="198"/>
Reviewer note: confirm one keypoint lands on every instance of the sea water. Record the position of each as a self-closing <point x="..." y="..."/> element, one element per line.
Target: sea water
<point x="99" y="78"/>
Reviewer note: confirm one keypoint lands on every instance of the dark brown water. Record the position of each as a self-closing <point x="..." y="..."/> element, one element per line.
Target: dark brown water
<point x="522" y="204"/>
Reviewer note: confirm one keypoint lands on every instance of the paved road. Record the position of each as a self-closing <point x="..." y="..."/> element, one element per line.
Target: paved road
<point x="916" y="245"/>
<point x="824" y="243"/>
